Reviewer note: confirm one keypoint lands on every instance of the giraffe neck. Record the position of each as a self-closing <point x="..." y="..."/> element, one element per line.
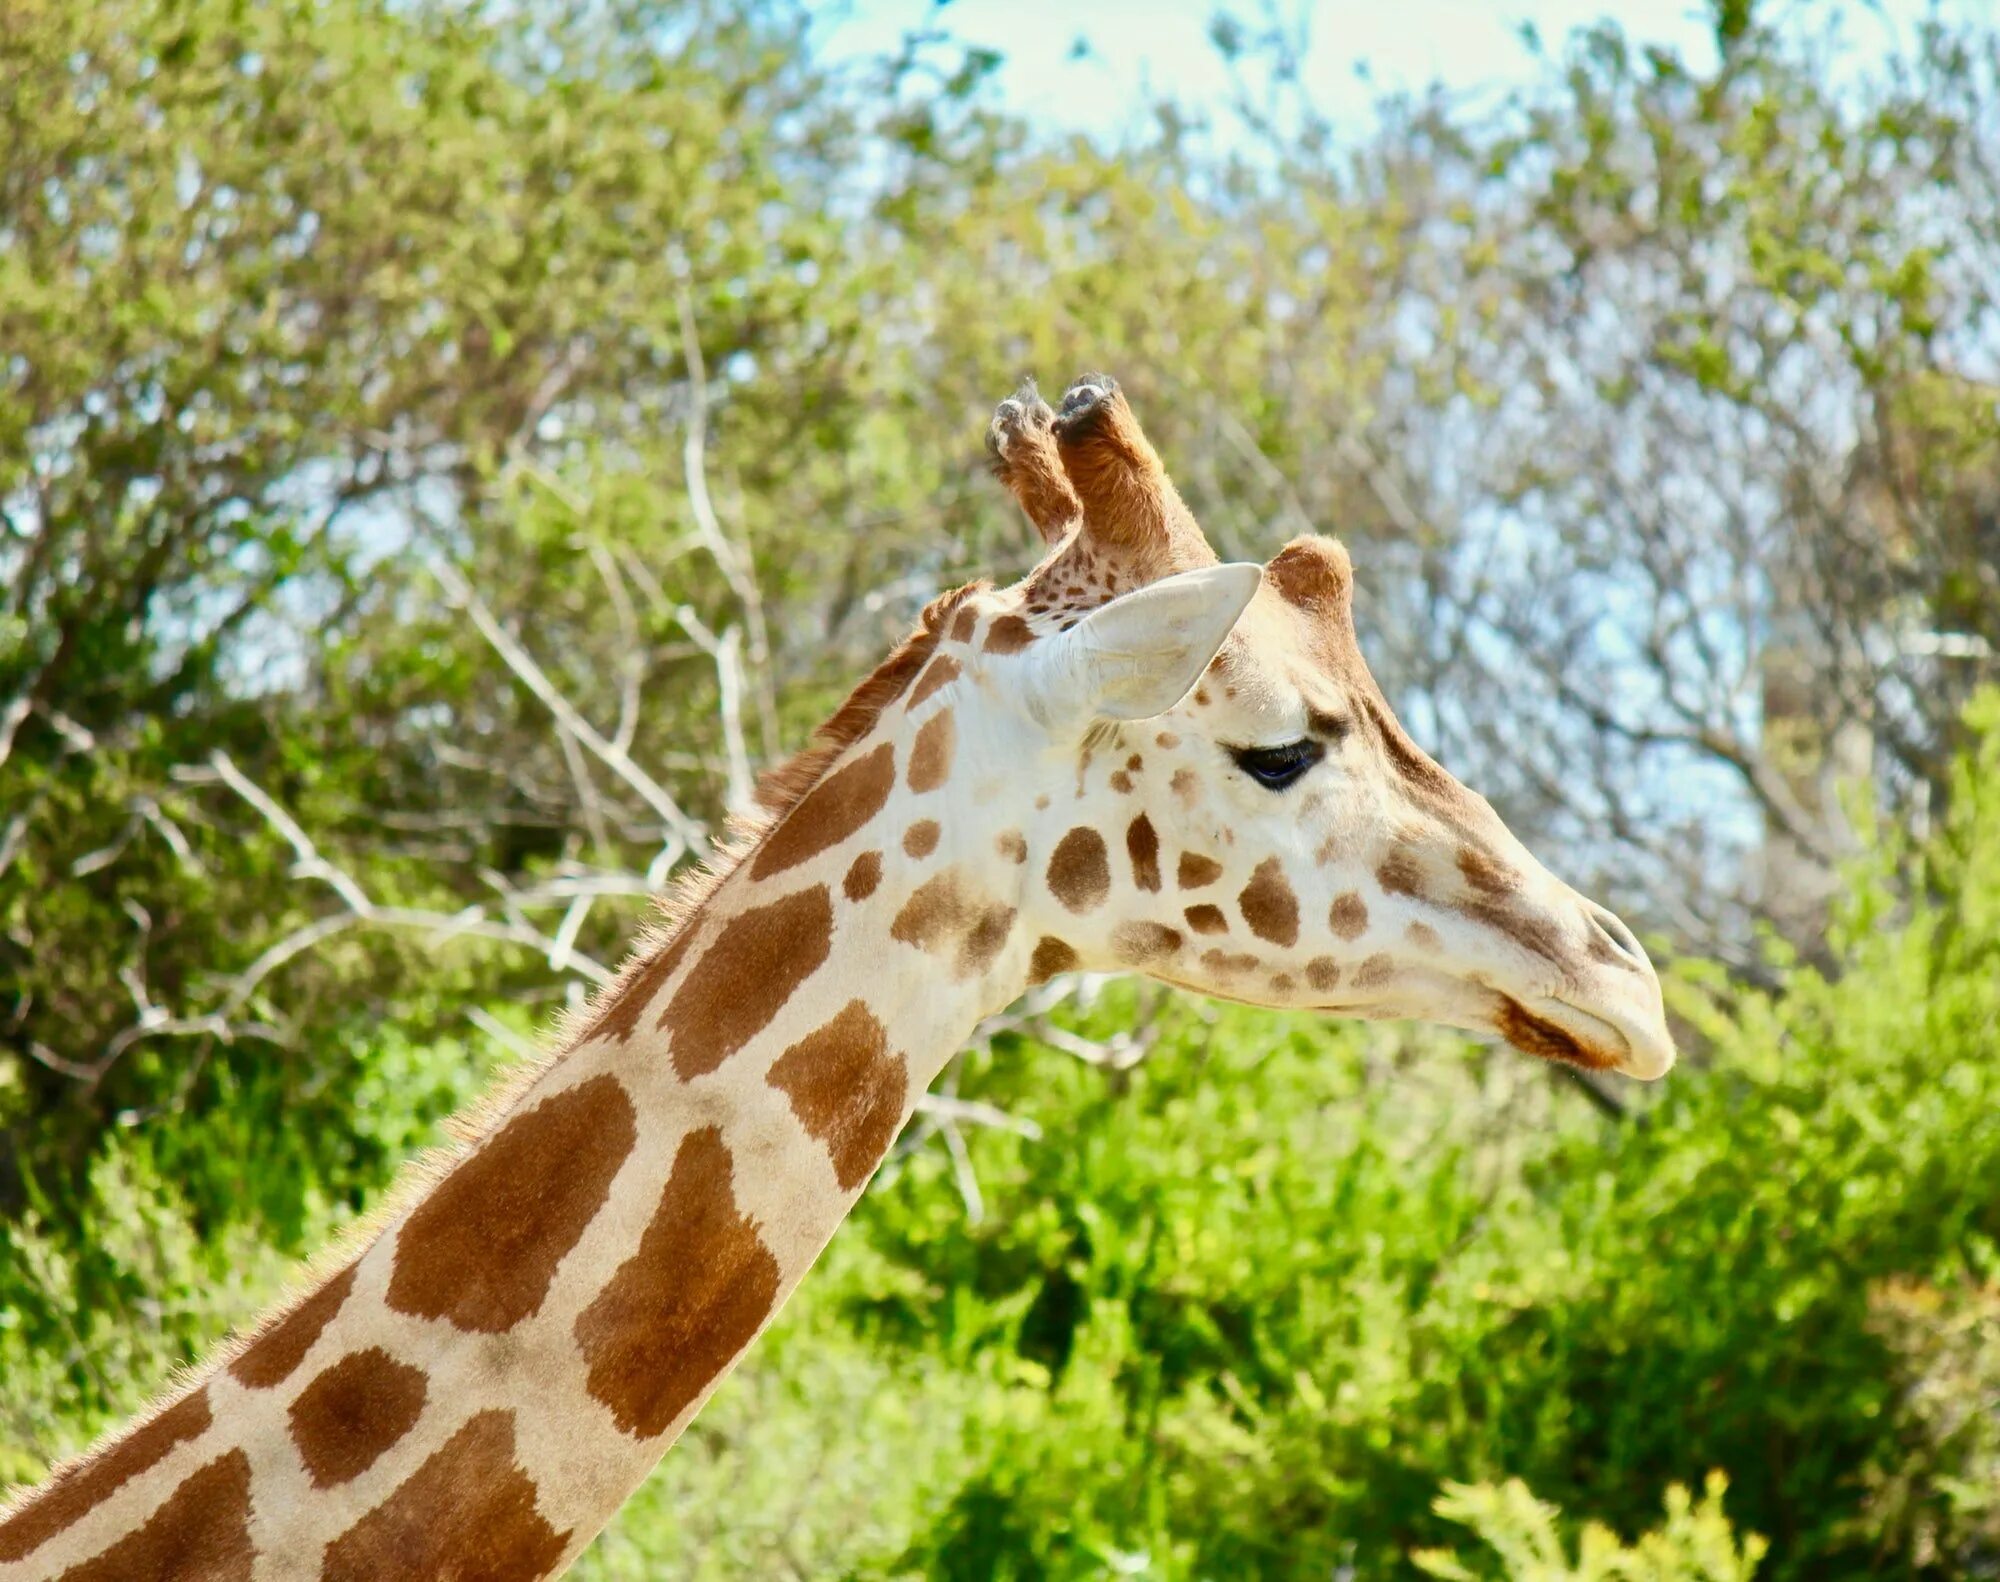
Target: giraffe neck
<point x="497" y="1371"/>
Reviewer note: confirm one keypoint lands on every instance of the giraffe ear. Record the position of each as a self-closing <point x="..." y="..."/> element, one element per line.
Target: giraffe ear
<point x="1143" y="652"/>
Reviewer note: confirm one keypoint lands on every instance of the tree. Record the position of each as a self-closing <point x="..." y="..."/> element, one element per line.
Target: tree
<point x="1725" y="437"/>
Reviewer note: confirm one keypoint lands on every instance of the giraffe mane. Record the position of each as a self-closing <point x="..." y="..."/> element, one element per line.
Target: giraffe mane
<point x="784" y="785"/>
<point x="779" y="789"/>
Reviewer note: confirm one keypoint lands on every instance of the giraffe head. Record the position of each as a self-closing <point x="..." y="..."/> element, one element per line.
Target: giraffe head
<point x="1227" y="801"/>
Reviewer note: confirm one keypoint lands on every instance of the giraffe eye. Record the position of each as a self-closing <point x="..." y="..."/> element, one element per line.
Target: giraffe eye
<point x="1277" y="767"/>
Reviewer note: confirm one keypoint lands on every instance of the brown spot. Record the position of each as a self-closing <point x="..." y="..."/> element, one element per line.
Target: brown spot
<point x="1398" y="874"/>
<point x="863" y="874"/>
<point x="1281" y="983"/>
<point x="1207" y="920"/>
<point x="931" y="912"/>
<point x="1042" y="802"/>
<point x="1423" y="936"/>
<point x="1166" y="739"/>
<point x="1348" y="916"/>
<point x="1485" y="874"/>
<point x="1080" y="870"/>
<point x="1142" y="845"/>
<point x="1323" y="973"/>
<point x="847" y="1090"/>
<point x="1409" y="760"/>
<point x="986" y="939"/>
<point x="1011" y="846"/>
<point x="1185" y="784"/>
<point x="681" y="1307"/>
<point x="282" y="1346"/>
<point x="1140" y="941"/>
<point x="1228" y="961"/>
<point x="942" y="672"/>
<point x="921" y="838"/>
<point x="756" y="962"/>
<point x="1332" y="848"/>
<point x="626" y="1001"/>
<point x="964" y="624"/>
<point x="1537" y="935"/>
<point x="1376" y="970"/>
<point x="468" y="1512"/>
<point x="481" y="1251"/>
<point x="1135" y="763"/>
<point x="84" y="1485"/>
<point x="1051" y="957"/>
<point x="203" y="1530"/>
<point x="1197" y="870"/>
<point x="943" y="914"/>
<point x="1009" y="635"/>
<point x="930" y="758"/>
<point x="1121" y="782"/>
<point x="1201" y="694"/>
<point x="352" y="1412"/>
<point x="1268" y="905"/>
<point x="1531" y="1035"/>
<point x="829" y="813"/>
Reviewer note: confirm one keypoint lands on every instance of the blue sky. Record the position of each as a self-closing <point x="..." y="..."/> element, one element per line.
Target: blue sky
<point x="1136" y="48"/>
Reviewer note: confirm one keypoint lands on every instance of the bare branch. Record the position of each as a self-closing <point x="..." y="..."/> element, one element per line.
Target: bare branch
<point x="442" y="926"/>
<point x="972" y="1112"/>
<point x="168" y="831"/>
<point x="587" y="799"/>
<point x="725" y="652"/>
<point x="731" y="561"/>
<point x="501" y="1033"/>
<point x="962" y="1172"/>
<point x="684" y="830"/>
<point x="310" y="864"/>
<point x="1606" y="1102"/>
<point x="10" y="722"/>
<point x="631" y="658"/>
<point x="12" y="839"/>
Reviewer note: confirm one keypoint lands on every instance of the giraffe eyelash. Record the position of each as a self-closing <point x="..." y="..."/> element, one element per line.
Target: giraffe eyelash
<point x="1276" y="768"/>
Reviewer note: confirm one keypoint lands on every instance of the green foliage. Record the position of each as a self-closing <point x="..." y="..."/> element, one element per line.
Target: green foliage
<point x="1694" y="1544"/>
<point x="297" y="298"/>
<point x="184" y="1234"/>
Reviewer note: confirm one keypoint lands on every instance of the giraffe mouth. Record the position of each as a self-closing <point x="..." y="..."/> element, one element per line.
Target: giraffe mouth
<point x="1545" y="1027"/>
<point x="1557" y="1031"/>
<point x="1553" y="1029"/>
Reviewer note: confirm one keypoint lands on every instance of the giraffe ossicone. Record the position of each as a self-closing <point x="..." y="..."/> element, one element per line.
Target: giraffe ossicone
<point x="1134" y="758"/>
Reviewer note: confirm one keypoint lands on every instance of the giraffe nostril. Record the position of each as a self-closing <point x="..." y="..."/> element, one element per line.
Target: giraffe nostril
<point x="1613" y="930"/>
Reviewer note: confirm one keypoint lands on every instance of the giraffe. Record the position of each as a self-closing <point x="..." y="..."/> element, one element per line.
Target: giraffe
<point x="1135" y="758"/>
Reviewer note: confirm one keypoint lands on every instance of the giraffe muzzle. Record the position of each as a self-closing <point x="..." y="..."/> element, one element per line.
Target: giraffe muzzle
<point x="1597" y="1039"/>
<point x="1607" y="1015"/>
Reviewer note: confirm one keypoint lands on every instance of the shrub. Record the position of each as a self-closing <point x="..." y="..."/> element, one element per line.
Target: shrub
<point x="1694" y="1544"/>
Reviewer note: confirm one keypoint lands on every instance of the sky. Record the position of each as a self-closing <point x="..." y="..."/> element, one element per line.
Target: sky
<point x="1131" y="49"/>
<point x="1092" y="66"/>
